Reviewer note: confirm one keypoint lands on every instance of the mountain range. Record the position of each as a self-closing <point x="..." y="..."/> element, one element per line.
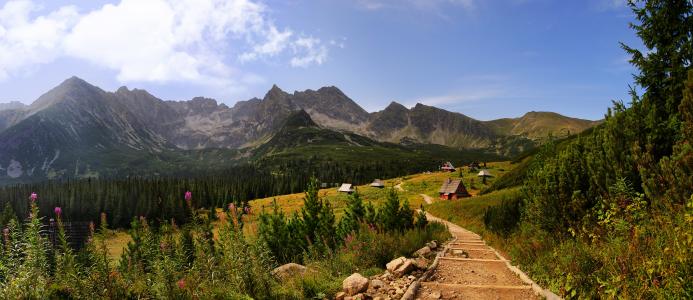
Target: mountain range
<point x="78" y="130"/>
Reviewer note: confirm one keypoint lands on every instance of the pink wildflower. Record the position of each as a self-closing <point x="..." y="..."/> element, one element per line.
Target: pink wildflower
<point x="188" y="198"/>
<point x="232" y="208"/>
<point x="33" y="197"/>
<point x="58" y="211"/>
<point x="181" y="284"/>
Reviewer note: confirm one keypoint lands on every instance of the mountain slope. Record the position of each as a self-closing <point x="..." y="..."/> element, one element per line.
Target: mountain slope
<point x="78" y="130"/>
<point x="538" y="125"/>
<point x="300" y="138"/>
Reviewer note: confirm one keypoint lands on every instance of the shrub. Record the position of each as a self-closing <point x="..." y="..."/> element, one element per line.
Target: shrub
<point x="504" y="218"/>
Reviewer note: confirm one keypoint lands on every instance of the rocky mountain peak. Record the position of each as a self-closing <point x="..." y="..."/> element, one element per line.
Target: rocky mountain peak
<point x="395" y="106"/>
<point x="299" y="119"/>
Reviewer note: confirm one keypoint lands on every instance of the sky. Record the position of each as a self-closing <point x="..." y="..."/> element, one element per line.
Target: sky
<point x="486" y="59"/>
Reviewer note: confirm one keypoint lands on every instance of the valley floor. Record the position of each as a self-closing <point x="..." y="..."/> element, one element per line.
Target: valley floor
<point x="420" y="190"/>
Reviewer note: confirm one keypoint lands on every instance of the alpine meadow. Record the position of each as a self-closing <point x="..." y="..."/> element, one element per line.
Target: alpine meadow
<point x="573" y="181"/>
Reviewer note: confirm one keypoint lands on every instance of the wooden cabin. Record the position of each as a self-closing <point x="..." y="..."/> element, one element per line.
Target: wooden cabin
<point x="378" y="184"/>
<point x="453" y="189"/>
<point x="346" y="188"/>
<point x="447" y="167"/>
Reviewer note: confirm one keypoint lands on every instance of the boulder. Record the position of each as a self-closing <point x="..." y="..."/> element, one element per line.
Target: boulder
<point x="432" y="245"/>
<point x="288" y="270"/>
<point x="377" y="284"/>
<point x="404" y="268"/>
<point x="421" y="263"/>
<point x="355" y="284"/>
<point x="423" y="252"/>
<point x="394" y="264"/>
<point x="340" y="296"/>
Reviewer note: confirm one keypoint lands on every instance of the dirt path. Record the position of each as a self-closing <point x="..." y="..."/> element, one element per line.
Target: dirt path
<point x="470" y="269"/>
<point x="427" y="198"/>
<point x="399" y="187"/>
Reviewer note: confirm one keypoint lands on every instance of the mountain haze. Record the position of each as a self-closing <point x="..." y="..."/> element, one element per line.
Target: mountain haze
<point x="78" y="130"/>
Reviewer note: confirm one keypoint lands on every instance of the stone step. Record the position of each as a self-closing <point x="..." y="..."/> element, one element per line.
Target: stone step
<point x="470" y="246"/>
<point x="431" y="290"/>
<point x="471" y="253"/>
<point x="471" y="259"/>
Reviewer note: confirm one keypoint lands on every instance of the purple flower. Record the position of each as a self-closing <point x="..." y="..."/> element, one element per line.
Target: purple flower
<point x="58" y="211"/>
<point x="33" y="197"/>
<point x="188" y="196"/>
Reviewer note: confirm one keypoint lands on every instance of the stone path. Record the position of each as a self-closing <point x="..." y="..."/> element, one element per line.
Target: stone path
<point x="470" y="269"/>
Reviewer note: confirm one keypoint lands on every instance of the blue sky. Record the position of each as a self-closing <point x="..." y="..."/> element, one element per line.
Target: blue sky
<point x="487" y="59"/>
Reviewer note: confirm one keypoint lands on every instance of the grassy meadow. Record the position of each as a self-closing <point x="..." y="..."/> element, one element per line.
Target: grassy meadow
<point x="412" y="186"/>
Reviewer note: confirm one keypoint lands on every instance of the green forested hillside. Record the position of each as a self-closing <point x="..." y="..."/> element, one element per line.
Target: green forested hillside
<point x="609" y="213"/>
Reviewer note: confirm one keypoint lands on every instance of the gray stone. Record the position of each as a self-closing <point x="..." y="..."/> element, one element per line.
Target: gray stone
<point x="393" y="265"/>
<point x="404" y="268"/>
<point x="288" y="270"/>
<point x="355" y="284"/>
<point x="377" y="284"/>
<point x="432" y="245"/>
<point x="425" y="251"/>
<point x="421" y="263"/>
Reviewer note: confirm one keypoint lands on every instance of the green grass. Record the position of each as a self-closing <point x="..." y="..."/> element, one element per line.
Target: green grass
<point x="469" y="212"/>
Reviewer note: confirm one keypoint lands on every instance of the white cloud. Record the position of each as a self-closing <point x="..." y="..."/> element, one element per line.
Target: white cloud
<point x="152" y="40"/>
<point x="308" y="51"/>
<point x="26" y="42"/>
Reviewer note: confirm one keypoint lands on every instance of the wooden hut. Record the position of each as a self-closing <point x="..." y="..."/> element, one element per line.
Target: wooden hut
<point x="346" y="188"/>
<point x="483" y="174"/>
<point x="378" y="184"/>
<point x="447" y="167"/>
<point x="453" y="189"/>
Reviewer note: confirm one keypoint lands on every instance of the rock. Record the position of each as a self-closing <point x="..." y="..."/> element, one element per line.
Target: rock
<point x="421" y="263"/>
<point x="423" y="252"/>
<point x="394" y="264"/>
<point x="355" y="284"/>
<point x="404" y="268"/>
<point x="340" y="296"/>
<point x="288" y="270"/>
<point x="432" y="245"/>
<point x="377" y="284"/>
<point x="435" y="295"/>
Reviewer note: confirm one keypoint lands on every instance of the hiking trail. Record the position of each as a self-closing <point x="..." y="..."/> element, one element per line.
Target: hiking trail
<point x="469" y="269"/>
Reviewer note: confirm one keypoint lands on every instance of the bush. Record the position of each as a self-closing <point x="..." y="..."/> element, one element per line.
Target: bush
<point x="504" y="218"/>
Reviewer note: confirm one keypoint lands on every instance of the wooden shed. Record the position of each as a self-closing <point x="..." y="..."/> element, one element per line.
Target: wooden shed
<point x="378" y="184"/>
<point x="453" y="189"/>
<point x="447" y="167"/>
<point x="346" y="188"/>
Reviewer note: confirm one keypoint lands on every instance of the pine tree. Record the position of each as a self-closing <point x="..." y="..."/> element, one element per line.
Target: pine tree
<point x="354" y="214"/>
<point x="390" y="217"/>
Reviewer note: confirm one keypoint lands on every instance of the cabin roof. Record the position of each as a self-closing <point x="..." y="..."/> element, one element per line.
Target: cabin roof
<point x="485" y="173"/>
<point x="377" y="182"/>
<point x="450" y="186"/>
<point x="346" y="187"/>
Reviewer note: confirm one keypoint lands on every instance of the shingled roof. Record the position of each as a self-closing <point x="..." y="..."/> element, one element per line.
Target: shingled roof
<point x="450" y="186"/>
